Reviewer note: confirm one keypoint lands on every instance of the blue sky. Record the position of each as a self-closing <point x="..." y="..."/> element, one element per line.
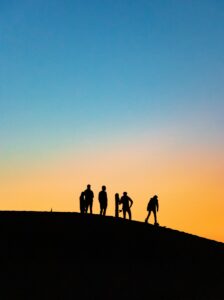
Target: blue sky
<point x="74" y="69"/>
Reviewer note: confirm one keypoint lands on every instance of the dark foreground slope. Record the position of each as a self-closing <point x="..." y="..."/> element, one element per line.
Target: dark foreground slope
<point x="69" y="256"/>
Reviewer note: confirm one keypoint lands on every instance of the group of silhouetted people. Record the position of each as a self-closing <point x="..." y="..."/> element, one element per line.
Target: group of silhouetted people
<point x="86" y="200"/>
<point x="86" y="203"/>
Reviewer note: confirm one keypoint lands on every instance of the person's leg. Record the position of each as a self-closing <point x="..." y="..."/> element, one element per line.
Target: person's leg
<point x="147" y="218"/>
<point x="91" y="206"/>
<point x="124" y="213"/>
<point x="129" y="213"/>
<point x="155" y="218"/>
<point x="87" y="207"/>
<point x="84" y="206"/>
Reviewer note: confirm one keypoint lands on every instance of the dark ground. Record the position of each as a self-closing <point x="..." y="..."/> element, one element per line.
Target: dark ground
<point x="69" y="256"/>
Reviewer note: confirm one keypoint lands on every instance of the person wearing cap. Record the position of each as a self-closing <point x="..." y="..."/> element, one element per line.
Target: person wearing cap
<point x="153" y="206"/>
<point x="89" y="199"/>
<point x="103" y="201"/>
<point x="127" y="203"/>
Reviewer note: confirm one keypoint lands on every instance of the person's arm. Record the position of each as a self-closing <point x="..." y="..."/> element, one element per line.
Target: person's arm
<point x="157" y="205"/>
<point x="131" y="202"/>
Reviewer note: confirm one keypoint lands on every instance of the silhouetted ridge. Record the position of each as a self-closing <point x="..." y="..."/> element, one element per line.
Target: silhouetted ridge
<point x="48" y="255"/>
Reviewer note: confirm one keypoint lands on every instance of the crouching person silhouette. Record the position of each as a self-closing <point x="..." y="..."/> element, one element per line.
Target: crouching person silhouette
<point x="127" y="204"/>
<point x="153" y="206"/>
<point x="82" y="203"/>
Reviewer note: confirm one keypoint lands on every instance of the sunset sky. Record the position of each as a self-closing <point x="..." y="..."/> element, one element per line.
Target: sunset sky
<point x="123" y="93"/>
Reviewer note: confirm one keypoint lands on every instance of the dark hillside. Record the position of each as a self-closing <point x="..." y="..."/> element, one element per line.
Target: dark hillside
<point x="69" y="256"/>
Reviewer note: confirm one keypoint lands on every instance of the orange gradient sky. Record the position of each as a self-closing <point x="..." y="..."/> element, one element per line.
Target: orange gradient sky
<point x="127" y="94"/>
<point x="187" y="180"/>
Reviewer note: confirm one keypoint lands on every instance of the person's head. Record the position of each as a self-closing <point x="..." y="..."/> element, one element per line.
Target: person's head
<point x="125" y="193"/>
<point x="103" y="188"/>
<point x="155" y="196"/>
<point x="116" y="196"/>
<point x="88" y="186"/>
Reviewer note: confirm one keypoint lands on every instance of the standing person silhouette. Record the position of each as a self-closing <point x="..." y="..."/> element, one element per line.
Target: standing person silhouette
<point x="89" y="199"/>
<point x="103" y="200"/>
<point x="127" y="204"/>
<point x="153" y="206"/>
<point x="117" y="202"/>
<point x="82" y="202"/>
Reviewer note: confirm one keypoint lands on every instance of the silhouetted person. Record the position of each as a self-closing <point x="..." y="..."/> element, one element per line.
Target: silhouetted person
<point x="153" y="206"/>
<point x="82" y="202"/>
<point x="89" y="199"/>
<point x="127" y="204"/>
<point x="103" y="201"/>
<point x="117" y="202"/>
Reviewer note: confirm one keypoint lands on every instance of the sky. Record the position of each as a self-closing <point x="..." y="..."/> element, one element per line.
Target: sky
<point x="127" y="94"/>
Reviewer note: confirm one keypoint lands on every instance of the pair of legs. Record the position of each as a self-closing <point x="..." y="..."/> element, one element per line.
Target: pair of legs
<point x="82" y="208"/>
<point x="127" y="210"/>
<point x="89" y="206"/>
<point x="103" y="210"/>
<point x="149" y="213"/>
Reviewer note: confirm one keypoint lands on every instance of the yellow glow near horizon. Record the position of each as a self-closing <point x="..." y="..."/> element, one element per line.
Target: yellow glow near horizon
<point x="188" y="185"/>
